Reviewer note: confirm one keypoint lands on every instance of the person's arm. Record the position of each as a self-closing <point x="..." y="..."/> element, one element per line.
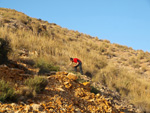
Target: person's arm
<point x="76" y="64"/>
<point x="70" y="64"/>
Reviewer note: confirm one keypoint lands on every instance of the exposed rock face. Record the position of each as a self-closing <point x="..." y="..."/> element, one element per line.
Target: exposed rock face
<point x="64" y="94"/>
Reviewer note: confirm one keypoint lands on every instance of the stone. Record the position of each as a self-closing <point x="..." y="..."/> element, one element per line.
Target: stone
<point x="37" y="107"/>
<point x="86" y="84"/>
<point x="28" y="108"/>
<point x="60" y="89"/>
<point x="51" y="110"/>
<point x="72" y="76"/>
<point x="61" y="73"/>
<point x="64" y="94"/>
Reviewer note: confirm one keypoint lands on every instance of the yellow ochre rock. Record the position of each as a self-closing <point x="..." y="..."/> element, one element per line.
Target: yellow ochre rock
<point x="63" y="94"/>
<point x="72" y="76"/>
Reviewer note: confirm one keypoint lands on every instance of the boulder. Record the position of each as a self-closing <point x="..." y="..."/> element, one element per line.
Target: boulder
<point x="72" y="76"/>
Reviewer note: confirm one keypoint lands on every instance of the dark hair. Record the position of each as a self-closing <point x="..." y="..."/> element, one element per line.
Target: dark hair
<point x="71" y="59"/>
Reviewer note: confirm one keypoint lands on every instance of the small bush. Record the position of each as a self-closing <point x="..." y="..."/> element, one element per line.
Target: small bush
<point x="37" y="84"/>
<point x="94" y="90"/>
<point x="4" y="50"/>
<point x="45" y="67"/>
<point x="26" y="92"/>
<point x="6" y="91"/>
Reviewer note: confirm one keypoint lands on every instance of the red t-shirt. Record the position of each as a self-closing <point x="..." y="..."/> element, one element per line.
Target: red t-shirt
<point x="76" y="60"/>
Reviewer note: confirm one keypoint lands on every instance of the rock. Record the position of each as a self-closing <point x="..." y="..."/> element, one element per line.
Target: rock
<point x="65" y="94"/>
<point x="97" y="95"/>
<point x="60" y="89"/>
<point x="13" y="104"/>
<point x="37" y="107"/>
<point x="87" y="84"/>
<point x="61" y="73"/>
<point x="51" y="110"/>
<point x="72" y="76"/>
<point x="28" y="108"/>
<point x="22" y="103"/>
<point x="78" y="110"/>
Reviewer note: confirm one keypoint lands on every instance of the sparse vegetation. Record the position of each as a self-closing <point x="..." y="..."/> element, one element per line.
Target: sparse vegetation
<point x="37" y="84"/>
<point x="94" y="90"/>
<point x="27" y="92"/>
<point x="6" y="91"/>
<point x="126" y="83"/>
<point x="4" y="50"/>
<point x="45" y="67"/>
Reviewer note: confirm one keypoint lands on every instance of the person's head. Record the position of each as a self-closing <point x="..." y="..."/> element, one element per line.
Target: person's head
<point x="71" y="59"/>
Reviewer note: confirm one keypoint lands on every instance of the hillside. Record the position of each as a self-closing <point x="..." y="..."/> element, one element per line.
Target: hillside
<point x="120" y="68"/>
<point x="65" y="92"/>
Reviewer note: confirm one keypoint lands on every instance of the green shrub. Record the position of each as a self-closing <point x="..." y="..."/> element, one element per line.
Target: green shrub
<point x="94" y="90"/>
<point x="4" y="50"/>
<point x="37" y="84"/>
<point x="6" y="91"/>
<point x="45" y="67"/>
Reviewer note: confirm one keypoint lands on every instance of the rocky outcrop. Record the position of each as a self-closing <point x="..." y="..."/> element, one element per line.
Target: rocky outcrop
<point x="64" y="94"/>
<point x="112" y="96"/>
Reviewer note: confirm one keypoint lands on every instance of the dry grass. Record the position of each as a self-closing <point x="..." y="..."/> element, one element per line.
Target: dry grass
<point x="128" y="84"/>
<point x="119" y="67"/>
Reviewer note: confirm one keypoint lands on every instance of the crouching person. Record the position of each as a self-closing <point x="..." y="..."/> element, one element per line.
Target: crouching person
<point x="78" y="64"/>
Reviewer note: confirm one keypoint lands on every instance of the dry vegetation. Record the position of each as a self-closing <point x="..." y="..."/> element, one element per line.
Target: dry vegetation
<point x="119" y="67"/>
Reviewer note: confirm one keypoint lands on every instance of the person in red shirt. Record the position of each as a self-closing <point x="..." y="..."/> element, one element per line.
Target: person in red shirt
<point x="78" y="64"/>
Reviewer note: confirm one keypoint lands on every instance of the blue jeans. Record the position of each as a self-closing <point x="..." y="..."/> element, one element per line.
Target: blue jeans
<point x="80" y="67"/>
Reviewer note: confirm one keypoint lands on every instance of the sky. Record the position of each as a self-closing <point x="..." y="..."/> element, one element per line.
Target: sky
<point x="125" y="22"/>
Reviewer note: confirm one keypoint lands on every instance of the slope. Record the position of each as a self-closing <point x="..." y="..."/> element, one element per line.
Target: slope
<point x="118" y="67"/>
